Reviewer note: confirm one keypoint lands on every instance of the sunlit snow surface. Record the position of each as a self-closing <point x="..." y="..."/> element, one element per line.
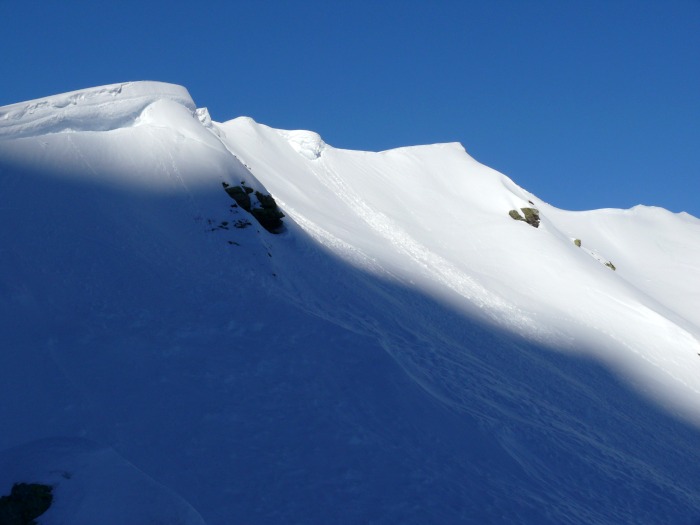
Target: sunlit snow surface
<point x="403" y="352"/>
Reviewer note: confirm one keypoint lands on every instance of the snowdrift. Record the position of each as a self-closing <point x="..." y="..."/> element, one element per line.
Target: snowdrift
<point x="402" y="351"/>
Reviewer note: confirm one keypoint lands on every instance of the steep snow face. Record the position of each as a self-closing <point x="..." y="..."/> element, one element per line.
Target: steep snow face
<point x="433" y="218"/>
<point x="403" y="352"/>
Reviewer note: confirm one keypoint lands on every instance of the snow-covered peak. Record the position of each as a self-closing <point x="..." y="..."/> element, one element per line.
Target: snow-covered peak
<point x="120" y="135"/>
<point x="422" y="340"/>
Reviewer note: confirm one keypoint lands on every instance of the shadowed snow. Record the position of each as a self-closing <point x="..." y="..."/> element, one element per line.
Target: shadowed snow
<point x="403" y="352"/>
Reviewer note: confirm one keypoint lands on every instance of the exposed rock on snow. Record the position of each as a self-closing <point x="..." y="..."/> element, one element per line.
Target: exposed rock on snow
<point x="25" y="502"/>
<point x="532" y="216"/>
<point x="262" y="206"/>
<point x="92" y="484"/>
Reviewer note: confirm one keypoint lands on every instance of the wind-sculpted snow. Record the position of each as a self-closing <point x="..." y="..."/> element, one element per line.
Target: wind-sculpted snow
<point x="403" y="352"/>
<point x="97" y="109"/>
<point x="307" y="143"/>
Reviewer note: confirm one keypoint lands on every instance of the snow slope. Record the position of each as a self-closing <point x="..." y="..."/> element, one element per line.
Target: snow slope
<point x="403" y="352"/>
<point x="433" y="218"/>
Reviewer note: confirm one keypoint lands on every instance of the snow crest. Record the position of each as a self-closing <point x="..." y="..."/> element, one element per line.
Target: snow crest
<point x="97" y="109"/>
<point x="307" y="143"/>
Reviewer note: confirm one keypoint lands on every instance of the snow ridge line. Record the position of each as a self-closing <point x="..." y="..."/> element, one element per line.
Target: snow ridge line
<point x="98" y="109"/>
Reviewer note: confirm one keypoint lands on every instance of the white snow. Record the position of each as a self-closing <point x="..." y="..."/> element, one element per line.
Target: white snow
<point x="403" y="352"/>
<point x="435" y="219"/>
<point x="98" y="109"/>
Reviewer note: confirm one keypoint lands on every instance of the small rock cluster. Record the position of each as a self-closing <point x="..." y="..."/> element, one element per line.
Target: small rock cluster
<point x="531" y="216"/>
<point x="263" y="208"/>
<point x="25" y="502"/>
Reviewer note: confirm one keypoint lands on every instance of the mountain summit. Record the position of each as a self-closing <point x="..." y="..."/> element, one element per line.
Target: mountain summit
<point x="216" y="323"/>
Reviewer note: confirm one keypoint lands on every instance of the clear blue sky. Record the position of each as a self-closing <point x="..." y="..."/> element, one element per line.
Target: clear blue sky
<point x="588" y="104"/>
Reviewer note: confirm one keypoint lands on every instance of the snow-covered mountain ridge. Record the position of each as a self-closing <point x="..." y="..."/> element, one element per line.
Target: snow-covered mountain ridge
<point x="402" y="352"/>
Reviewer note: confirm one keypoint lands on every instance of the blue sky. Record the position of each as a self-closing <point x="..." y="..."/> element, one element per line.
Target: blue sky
<point x="587" y="104"/>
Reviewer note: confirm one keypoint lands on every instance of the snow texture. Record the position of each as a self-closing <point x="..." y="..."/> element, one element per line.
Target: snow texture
<point x="403" y="352"/>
